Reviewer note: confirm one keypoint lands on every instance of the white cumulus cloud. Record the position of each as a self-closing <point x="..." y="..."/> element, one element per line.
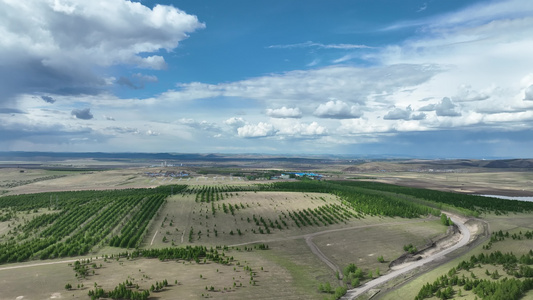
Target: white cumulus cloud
<point x="54" y="46"/>
<point x="336" y="109"/>
<point x="399" y="114"/>
<point x="529" y="93"/>
<point x="284" y="112"/>
<point x="235" y="122"/>
<point x="446" y="108"/>
<point x="302" y="129"/>
<point x="467" y="94"/>
<point x="428" y="107"/>
<point x="419" y="116"/>
<point x="256" y="130"/>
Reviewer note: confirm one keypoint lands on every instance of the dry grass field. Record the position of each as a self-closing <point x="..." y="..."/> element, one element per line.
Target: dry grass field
<point x="40" y="282"/>
<point x="187" y="280"/>
<point x="471" y="182"/>
<point x="13" y="181"/>
<point x="363" y="246"/>
<point x="73" y="181"/>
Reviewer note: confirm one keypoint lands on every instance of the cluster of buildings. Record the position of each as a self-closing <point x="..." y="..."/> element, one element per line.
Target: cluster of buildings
<point x="296" y="175"/>
<point x="167" y="174"/>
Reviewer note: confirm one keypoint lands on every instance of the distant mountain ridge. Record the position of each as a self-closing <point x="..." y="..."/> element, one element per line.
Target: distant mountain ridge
<point x="521" y="163"/>
<point x="107" y="156"/>
<point x="443" y="165"/>
<point x="357" y="162"/>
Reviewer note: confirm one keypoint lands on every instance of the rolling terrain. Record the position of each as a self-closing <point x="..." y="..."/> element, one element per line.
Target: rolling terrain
<point x="273" y="238"/>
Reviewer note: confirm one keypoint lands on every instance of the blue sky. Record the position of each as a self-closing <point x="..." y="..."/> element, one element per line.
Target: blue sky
<point x="437" y="78"/>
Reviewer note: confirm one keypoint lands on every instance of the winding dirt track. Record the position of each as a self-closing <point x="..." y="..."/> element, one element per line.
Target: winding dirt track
<point x="354" y="293"/>
<point x="314" y="248"/>
<point x="317" y="252"/>
<point x="307" y="237"/>
<point x="43" y="264"/>
<point x="311" y="235"/>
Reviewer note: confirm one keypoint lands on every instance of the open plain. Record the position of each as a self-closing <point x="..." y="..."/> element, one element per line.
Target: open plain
<point x="310" y="236"/>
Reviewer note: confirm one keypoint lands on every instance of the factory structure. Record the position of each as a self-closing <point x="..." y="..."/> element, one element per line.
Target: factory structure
<point x="300" y="175"/>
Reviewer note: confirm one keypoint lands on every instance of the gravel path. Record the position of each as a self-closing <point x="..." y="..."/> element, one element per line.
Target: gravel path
<point x="354" y="293"/>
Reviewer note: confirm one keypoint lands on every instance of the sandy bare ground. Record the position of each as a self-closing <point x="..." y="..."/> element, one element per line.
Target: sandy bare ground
<point x="465" y="238"/>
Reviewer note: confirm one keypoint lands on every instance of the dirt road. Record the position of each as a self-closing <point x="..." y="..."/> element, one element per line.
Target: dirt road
<point x="316" y="251"/>
<point x="311" y="235"/>
<point x="354" y="293"/>
<point x="44" y="263"/>
<point x="314" y="248"/>
<point x="351" y="294"/>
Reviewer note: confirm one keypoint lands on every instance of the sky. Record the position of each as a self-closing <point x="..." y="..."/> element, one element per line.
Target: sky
<point x="417" y="78"/>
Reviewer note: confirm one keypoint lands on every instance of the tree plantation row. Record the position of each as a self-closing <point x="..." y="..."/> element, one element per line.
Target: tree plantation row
<point x="386" y="196"/>
<point x="80" y="220"/>
<point x="475" y="204"/>
<point x="51" y="225"/>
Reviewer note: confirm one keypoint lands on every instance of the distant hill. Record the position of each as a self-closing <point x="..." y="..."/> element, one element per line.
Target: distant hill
<point x="439" y="165"/>
<point x="103" y="156"/>
<point x="510" y="163"/>
<point x="499" y="163"/>
<point x="353" y="164"/>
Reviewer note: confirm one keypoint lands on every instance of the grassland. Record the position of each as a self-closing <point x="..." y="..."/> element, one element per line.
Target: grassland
<point x="239" y="218"/>
<point x="510" y="183"/>
<point x="260" y="217"/>
<point x="513" y="223"/>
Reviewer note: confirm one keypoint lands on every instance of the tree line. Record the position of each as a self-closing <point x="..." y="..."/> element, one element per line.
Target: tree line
<point x="474" y="203"/>
<point x="506" y="288"/>
<point x="360" y="200"/>
<point x="83" y="220"/>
